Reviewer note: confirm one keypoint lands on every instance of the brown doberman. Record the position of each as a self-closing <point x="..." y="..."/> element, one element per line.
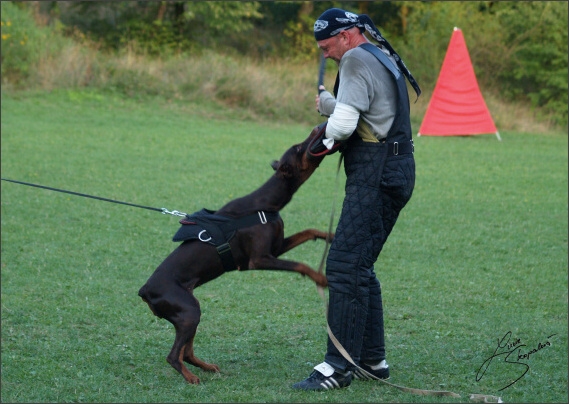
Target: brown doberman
<point x="169" y="291"/>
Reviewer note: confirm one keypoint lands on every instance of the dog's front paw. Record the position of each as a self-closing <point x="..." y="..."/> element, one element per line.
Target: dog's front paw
<point x="321" y="280"/>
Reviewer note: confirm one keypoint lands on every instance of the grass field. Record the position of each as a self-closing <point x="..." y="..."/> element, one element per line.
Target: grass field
<point x="476" y="266"/>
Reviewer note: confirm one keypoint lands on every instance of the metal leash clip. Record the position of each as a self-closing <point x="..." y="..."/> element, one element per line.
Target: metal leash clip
<point x="174" y="212"/>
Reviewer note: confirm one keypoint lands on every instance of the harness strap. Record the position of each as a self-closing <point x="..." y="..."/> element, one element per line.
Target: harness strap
<point x="218" y="230"/>
<point x="224" y="251"/>
<point x="260" y="217"/>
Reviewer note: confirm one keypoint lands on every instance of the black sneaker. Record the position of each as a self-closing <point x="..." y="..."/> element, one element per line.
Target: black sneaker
<point x="324" y="377"/>
<point x="381" y="371"/>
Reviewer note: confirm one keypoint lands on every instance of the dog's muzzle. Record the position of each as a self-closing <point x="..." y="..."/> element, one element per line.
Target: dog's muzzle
<point x="316" y="148"/>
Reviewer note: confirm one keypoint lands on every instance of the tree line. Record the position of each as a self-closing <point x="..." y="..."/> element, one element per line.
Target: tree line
<point x="517" y="48"/>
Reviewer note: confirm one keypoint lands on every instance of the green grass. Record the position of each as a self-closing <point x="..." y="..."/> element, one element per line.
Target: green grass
<point x="480" y="250"/>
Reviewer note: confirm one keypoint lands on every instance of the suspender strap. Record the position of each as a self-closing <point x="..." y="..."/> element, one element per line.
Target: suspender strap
<point x="382" y="57"/>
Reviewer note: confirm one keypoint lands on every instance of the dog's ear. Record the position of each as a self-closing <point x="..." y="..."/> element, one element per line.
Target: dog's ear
<point x="275" y="165"/>
<point x="286" y="170"/>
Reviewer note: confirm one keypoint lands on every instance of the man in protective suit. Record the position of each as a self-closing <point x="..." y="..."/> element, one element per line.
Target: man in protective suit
<point x="369" y="115"/>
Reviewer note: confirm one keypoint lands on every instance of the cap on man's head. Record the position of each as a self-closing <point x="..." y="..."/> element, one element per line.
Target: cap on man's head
<point x="332" y="22"/>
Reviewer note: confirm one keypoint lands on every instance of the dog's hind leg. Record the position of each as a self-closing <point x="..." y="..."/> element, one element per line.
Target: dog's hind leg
<point x="183" y="311"/>
<point x="192" y="359"/>
<point x="176" y="357"/>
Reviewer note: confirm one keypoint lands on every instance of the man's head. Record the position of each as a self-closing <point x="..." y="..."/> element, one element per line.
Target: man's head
<point x="336" y="31"/>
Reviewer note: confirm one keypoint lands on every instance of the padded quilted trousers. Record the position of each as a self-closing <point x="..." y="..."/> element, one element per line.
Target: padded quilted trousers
<point x="378" y="186"/>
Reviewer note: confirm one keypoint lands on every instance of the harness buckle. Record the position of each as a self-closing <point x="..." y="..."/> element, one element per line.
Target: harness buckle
<point x="262" y="217"/>
<point x="222" y="249"/>
<point x="395" y="148"/>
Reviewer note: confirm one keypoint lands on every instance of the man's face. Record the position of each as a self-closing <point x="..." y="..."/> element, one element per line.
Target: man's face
<point x="335" y="47"/>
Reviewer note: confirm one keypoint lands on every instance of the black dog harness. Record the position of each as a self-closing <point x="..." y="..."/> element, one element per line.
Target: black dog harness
<point x="218" y="230"/>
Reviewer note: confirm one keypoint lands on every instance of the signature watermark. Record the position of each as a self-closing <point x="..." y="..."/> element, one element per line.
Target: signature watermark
<point x="514" y="352"/>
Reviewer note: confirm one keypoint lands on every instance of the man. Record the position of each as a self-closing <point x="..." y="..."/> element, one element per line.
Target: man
<point x="370" y="116"/>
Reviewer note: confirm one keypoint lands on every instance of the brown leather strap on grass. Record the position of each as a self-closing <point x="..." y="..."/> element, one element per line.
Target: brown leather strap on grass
<point x="346" y="355"/>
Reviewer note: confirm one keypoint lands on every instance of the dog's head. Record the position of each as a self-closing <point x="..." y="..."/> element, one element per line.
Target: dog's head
<point x="298" y="163"/>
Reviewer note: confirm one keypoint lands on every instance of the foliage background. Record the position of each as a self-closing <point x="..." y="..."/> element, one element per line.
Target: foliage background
<point x="518" y="49"/>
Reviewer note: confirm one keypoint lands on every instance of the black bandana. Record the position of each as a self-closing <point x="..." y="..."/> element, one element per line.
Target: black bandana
<point x="335" y="20"/>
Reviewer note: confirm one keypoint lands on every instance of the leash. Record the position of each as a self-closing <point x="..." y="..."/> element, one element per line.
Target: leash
<point x="163" y="210"/>
<point x="346" y="355"/>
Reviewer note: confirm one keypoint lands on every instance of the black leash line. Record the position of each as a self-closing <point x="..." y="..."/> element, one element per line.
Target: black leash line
<point x="163" y="210"/>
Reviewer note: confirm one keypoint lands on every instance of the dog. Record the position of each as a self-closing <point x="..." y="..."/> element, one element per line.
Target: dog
<point x="169" y="291"/>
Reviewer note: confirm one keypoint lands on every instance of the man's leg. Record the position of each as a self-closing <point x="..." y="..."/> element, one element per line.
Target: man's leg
<point x="372" y="358"/>
<point x="348" y="273"/>
<point x="391" y="200"/>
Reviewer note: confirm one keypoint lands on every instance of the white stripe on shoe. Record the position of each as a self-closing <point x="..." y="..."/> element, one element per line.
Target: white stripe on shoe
<point x="330" y="383"/>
